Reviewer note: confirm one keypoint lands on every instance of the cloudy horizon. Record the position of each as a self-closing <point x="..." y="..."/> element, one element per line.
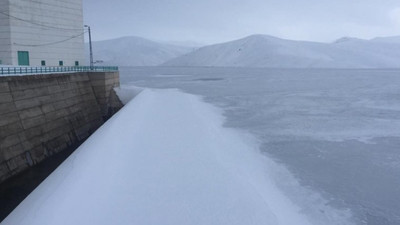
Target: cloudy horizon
<point x="209" y="22"/>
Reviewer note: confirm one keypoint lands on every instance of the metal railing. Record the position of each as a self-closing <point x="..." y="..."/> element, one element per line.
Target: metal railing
<point x="53" y="69"/>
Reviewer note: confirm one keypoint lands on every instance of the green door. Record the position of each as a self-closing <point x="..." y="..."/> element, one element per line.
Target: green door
<point x="23" y="58"/>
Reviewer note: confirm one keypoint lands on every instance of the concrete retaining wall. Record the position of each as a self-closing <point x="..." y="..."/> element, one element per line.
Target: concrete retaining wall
<point x="103" y="84"/>
<point x="44" y="114"/>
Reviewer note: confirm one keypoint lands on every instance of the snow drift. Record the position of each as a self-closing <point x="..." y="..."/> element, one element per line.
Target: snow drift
<point x="165" y="158"/>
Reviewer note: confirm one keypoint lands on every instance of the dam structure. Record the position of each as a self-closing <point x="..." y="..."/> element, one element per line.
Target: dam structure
<point x="43" y="114"/>
<point x="42" y="33"/>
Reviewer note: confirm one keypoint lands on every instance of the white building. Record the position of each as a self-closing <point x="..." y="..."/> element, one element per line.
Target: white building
<point x="41" y="32"/>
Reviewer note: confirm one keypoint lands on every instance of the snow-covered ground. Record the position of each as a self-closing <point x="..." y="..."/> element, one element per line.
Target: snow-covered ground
<point x="337" y="131"/>
<point x="165" y="158"/>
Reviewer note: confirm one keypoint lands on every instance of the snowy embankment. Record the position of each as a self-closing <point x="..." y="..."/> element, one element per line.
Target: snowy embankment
<point x="165" y="158"/>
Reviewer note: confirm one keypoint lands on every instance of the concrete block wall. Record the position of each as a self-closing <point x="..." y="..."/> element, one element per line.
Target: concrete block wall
<point x="44" y="114"/>
<point x="103" y="87"/>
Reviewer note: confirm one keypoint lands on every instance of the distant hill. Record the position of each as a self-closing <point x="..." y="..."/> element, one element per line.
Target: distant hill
<point x="394" y="39"/>
<point x="268" y="51"/>
<point x="135" y="51"/>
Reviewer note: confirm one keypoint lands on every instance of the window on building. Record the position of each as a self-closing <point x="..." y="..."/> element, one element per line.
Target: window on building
<point x="61" y="63"/>
<point x="43" y="63"/>
<point x="23" y="58"/>
<point x="76" y="63"/>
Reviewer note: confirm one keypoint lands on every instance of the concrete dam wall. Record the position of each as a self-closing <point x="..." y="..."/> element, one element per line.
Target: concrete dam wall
<point x="44" y="114"/>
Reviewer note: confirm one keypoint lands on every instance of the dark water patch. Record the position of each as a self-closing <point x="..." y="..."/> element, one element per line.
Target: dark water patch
<point x="14" y="190"/>
<point x="209" y="79"/>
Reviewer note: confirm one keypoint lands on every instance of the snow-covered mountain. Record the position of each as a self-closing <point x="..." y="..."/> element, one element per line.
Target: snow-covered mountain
<point x="135" y="51"/>
<point x="394" y="39"/>
<point x="268" y="51"/>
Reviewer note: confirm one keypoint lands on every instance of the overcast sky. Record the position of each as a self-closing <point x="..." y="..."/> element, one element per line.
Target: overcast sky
<point x="212" y="21"/>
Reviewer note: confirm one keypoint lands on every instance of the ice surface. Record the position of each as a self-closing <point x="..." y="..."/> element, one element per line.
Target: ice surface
<point x="165" y="158"/>
<point x="337" y="131"/>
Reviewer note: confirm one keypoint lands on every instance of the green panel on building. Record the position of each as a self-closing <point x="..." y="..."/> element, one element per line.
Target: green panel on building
<point x="23" y="58"/>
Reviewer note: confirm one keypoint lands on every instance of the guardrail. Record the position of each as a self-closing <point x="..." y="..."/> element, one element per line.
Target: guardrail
<point x="53" y="69"/>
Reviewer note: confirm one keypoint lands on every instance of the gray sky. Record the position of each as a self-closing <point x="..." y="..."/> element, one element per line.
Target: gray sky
<point x="211" y="21"/>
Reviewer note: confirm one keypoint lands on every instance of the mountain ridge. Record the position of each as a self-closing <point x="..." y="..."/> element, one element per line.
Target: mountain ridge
<point x="268" y="51"/>
<point x="256" y="50"/>
<point x="135" y="51"/>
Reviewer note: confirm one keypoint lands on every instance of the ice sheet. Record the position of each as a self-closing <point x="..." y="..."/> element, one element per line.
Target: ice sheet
<point x="337" y="131"/>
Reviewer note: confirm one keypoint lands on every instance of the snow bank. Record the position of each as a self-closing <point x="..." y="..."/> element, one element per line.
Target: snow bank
<point x="165" y="158"/>
<point x="127" y="93"/>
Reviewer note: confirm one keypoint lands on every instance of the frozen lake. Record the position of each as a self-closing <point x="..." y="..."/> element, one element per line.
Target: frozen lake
<point x="337" y="131"/>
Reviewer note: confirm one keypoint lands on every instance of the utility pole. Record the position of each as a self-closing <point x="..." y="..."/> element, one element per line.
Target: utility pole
<point x="91" y="50"/>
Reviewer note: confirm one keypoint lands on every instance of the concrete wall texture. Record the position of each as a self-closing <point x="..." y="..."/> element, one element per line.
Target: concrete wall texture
<point x="50" y="30"/>
<point x="44" y="114"/>
<point x="5" y="34"/>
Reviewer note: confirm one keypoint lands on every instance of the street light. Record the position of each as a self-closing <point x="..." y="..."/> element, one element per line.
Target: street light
<point x="90" y="46"/>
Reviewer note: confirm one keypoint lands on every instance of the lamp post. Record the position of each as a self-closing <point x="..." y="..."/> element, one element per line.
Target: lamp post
<point x="90" y="46"/>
